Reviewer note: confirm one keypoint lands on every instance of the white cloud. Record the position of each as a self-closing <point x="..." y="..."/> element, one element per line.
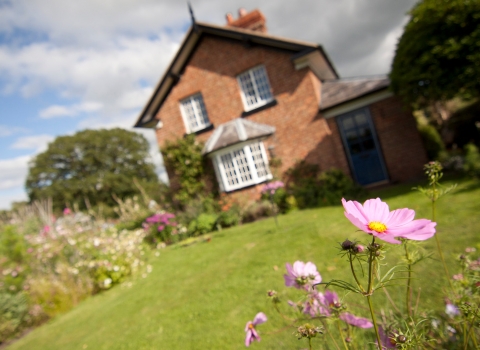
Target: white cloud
<point x="37" y="142"/>
<point x="57" y="111"/>
<point x="14" y="172"/>
<point x="6" y="130"/>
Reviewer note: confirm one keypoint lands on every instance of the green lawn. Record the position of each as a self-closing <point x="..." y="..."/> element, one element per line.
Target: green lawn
<point x="201" y="296"/>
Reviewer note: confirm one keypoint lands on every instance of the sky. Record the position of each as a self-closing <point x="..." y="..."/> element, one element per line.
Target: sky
<point x="68" y="65"/>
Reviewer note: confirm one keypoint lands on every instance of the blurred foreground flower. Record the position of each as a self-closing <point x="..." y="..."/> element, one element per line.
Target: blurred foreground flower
<point x="250" y="328"/>
<point x="301" y="275"/>
<point x="375" y="218"/>
<point x="272" y="187"/>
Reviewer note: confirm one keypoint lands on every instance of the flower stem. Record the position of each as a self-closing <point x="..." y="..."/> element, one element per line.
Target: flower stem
<point x="370" y="268"/>
<point x="341" y="334"/>
<point x="374" y="322"/>
<point x="353" y="272"/>
<point x="330" y="335"/>
<point x="440" y="252"/>
<point x="470" y="330"/>
<point x="310" y="343"/>
<point x="409" y="281"/>
<point x="371" y="261"/>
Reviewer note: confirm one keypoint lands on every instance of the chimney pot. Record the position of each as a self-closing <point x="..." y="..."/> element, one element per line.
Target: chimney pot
<point x="242" y="12"/>
<point x="229" y="18"/>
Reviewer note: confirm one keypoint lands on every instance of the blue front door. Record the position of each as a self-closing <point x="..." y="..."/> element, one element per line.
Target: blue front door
<point x="361" y="145"/>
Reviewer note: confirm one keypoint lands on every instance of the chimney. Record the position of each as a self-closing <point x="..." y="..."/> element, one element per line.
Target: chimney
<point x="254" y="20"/>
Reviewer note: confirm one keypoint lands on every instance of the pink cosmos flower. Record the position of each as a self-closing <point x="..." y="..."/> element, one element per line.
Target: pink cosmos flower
<point x="375" y="218"/>
<point x="251" y="333"/>
<point x="355" y="321"/>
<point x="301" y="275"/>
<point x="331" y="300"/>
<point x="387" y="339"/>
<point x="67" y="211"/>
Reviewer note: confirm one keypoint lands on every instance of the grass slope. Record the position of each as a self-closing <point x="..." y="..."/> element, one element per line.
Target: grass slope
<point x="200" y="296"/>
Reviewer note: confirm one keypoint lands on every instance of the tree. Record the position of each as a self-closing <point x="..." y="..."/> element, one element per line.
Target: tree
<point x="89" y="167"/>
<point x="438" y="55"/>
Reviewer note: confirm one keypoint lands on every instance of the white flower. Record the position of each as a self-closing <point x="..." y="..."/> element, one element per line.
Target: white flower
<point x="107" y="282"/>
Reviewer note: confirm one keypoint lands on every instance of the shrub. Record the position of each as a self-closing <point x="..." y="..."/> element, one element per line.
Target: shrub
<point x="472" y="160"/>
<point x="334" y="184"/>
<point x="204" y="223"/>
<point x="257" y="210"/>
<point x="13" y="314"/>
<point x="161" y="227"/>
<point x="228" y="218"/>
<point x="312" y="188"/>
<point x="432" y="141"/>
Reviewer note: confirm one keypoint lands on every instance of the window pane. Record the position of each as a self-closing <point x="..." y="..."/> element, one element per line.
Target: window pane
<point x="255" y="87"/>
<point x="260" y="163"/>
<point x="263" y="87"/>
<point x="195" y="112"/>
<point x="239" y="170"/>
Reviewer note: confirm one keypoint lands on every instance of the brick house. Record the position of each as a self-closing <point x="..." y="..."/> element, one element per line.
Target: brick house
<point x="250" y="96"/>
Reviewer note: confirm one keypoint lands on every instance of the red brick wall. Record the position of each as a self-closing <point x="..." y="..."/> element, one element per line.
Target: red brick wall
<point x="402" y="147"/>
<point x="212" y="71"/>
<point x="301" y="132"/>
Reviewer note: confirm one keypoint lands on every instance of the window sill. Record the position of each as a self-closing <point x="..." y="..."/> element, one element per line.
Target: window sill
<point x="269" y="177"/>
<point x="260" y="108"/>
<point x="201" y="131"/>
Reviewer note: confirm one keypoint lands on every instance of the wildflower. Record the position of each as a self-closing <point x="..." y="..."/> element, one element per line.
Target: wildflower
<point x="67" y="211"/>
<point x="301" y="275"/>
<point x="308" y="331"/>
<point x="272" y="187"/>
<point x="333" y="305"/>
<point x="458" y="277"/>
<point x="375" y="218"/>
<point x="451" y="310"/>
<point x="387" y="339"/>
<point x="251" y="332"/>
<point x="353" y="320"/>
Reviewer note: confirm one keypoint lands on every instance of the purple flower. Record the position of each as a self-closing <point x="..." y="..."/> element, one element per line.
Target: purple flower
<point x="355" y="321"/>
<point x="251" y="333"/>
<point x="301" y="275"/>
<point x="332" y="301"/>
<point x="315" y="304"/>
<point x="451" y="310"/>
<point x="375" y="218"/>
<point x="387" y="339"/>
<point x="272" y="187"/>
<point x="153" y="219"/>
<point x="160" y="228"/>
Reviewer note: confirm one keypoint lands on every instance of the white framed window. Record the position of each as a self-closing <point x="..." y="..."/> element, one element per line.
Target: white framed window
<point x="194" y="113"/>
<point x="255" y="88"/>
<point x="241" y="166"/>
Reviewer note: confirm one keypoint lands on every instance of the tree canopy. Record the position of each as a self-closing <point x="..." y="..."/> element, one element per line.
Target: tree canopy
<point x="90" y="167"/>
<point x="438" y="55"/>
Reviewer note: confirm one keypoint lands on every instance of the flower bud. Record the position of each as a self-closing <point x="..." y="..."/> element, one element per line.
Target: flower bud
<point x="347" y="245"/>
<point x="273" y="296"/>
<point x="359" y="248"/>
<point x="401" y="339"/>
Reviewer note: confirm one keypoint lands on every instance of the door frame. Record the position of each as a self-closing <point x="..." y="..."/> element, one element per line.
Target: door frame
<point x="366" y="109"/>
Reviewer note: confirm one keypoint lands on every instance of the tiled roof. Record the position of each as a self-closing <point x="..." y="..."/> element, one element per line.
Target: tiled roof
<point x="236" y="131"/>
<point x="335" y="92"/>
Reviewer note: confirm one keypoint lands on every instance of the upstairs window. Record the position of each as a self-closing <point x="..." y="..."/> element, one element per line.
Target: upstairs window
<point x="194" y="113"/>
<point x="242" y="166"/>
<point x="255" y="88"/>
